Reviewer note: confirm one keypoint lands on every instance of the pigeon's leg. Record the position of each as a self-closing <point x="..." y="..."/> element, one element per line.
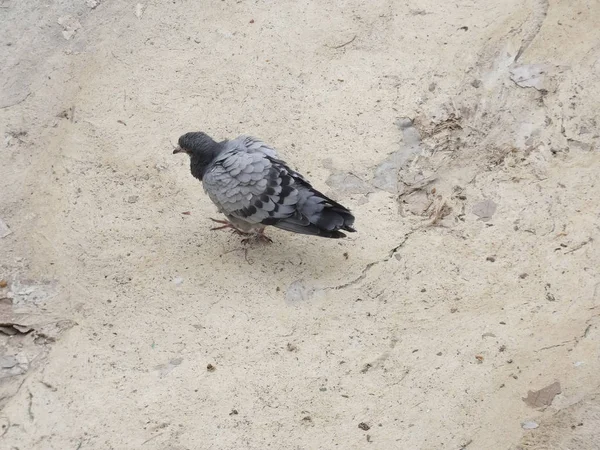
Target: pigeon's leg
<point x="226" y="224"/>
<point x="263" y="237"/>
<point x="258" y="237"/>
<point x="229" y="225"/>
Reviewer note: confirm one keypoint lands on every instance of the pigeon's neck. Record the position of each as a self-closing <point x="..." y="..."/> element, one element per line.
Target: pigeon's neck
<point x="200" y="161"/>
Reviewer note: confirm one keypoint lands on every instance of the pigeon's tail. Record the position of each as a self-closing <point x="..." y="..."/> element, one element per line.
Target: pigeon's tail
<point x="318" y="215"/>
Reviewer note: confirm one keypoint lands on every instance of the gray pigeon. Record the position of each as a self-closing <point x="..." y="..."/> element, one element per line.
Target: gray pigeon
<point x="254" y="188"/>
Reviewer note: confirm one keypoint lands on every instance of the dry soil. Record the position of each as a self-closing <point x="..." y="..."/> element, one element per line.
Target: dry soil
<point x="465" y="137"/>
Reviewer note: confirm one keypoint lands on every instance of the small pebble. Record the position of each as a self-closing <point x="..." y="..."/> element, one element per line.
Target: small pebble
<point x="529" y="425"/>
<point x="291" y="347"/>
<point x="7" y="362"/>
<point x="404" y="122"/>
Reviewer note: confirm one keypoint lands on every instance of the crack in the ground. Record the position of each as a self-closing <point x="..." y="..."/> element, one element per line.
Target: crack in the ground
<point x="369" y="266"/>
<point x="30" y="407"/>
<point x="575" y="341"/>
<point x="574" y="249"/>
<point x="540" y="12"/>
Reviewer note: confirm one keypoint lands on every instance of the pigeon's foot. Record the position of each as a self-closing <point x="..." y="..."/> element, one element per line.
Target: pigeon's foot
<point x="228" y="225"/>
<point x="259" y="237"/>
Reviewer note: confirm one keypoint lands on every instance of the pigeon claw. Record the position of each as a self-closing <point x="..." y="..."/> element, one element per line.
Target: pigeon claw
<point x="258" y="237"/>
<point x="228" y="225"/>
<point x="225" y="222"/>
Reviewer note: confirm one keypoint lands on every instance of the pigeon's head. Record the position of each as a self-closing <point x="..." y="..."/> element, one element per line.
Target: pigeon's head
<point x="195" y="144"/>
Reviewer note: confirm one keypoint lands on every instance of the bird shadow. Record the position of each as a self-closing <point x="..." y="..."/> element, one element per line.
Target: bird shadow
<point x="324" y="262"/>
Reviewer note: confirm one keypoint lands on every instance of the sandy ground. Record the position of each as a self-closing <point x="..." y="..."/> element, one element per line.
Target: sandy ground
<point x="464" y="135"/>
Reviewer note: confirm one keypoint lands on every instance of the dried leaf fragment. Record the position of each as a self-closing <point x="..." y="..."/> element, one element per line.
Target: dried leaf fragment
<point x="543" y="397"/>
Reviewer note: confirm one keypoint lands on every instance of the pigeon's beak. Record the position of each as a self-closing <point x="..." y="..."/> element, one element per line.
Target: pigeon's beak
<point x="178" y="150"/>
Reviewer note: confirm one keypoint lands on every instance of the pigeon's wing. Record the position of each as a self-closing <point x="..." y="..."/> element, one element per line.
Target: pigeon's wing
<point x="248" y="182"/>
<point x="253" y="145"/>
<point x="315" y="214"/>
<point x="244" y="183"/>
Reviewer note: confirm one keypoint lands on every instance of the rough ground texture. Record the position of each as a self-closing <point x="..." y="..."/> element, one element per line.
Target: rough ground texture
<point x="464" y="135"/>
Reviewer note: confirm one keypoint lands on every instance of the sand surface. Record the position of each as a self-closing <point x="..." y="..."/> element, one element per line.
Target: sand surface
<point x="465" y="137"/>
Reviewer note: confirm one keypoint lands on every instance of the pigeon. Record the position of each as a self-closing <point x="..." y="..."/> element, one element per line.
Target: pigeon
<point x="253" y="188"/>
